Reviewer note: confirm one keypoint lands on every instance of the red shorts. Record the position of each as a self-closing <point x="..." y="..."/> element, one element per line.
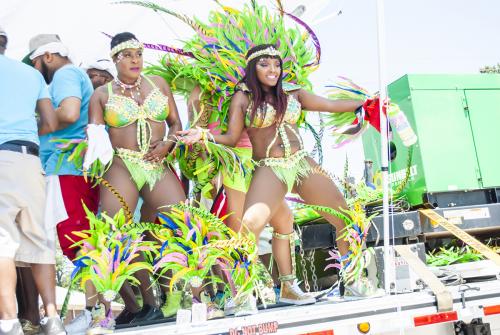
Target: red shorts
<point x="75" y="190"/>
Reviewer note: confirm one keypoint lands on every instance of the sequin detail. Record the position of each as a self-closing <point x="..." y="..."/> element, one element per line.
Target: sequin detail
<point x="141" y="171"/>
<point x="266" y="118"/>
<point x="121" y="111"/>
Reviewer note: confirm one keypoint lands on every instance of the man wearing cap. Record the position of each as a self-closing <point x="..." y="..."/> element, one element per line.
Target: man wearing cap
<point x="101" y="72"/>
<point x="22" y="190"/>
<point x="70" y="89"/>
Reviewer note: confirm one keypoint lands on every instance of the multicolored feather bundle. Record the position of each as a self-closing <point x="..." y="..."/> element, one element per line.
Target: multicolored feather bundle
<point x="347" y="127"/>
<point x="202" y="161"/>
<point x="193" y="241"/>
<point x="355" y="232"/>
<point x="107" y="253"/>
<point x="216" y="60"/>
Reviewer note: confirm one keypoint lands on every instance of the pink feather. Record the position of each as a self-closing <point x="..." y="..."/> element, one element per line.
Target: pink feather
<point x="334" y="266"/>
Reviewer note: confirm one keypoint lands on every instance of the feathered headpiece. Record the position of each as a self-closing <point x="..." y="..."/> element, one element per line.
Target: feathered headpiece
<point x="270" y="51"/>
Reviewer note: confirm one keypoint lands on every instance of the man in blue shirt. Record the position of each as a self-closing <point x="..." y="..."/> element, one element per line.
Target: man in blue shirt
<point x="22" y="190"/>
<point x="70" y="89"/>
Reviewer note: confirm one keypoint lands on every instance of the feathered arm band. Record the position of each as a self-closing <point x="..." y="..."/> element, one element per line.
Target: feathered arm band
<point x="348" y="126"/>
<point x="92" y="156"/>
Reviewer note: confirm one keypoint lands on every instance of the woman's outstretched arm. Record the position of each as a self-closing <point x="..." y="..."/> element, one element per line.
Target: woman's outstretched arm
<point x="315" y="103"/>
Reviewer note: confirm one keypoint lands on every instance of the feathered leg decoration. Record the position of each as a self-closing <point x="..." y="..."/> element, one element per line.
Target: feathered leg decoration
<point x="107" y="253"/>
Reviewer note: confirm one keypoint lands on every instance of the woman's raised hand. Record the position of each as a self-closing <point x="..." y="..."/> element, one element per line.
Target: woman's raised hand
<point x="157" y="151"/>
<point x="190" y="136"/>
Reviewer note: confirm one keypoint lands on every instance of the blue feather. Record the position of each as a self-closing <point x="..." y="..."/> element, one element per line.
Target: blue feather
<point x="115" y="256"/>
<point x="126" y="249"/>
<point x="235" y="47"/>
<point x="357" y="229"/>
<point x="79" y="264"/>
<point x="212" y="46"/>
<point x="163" y="246"/>
<point x="346" y="256"/>
<point x="167" y="222"/>
<point x="186" y="249"/>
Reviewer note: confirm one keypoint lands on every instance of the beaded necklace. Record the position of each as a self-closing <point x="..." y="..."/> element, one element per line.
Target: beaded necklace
<point x="136" y="85"/>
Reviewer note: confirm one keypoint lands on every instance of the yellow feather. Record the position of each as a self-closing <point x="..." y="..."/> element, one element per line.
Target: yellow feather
<point x="176" y="277"/>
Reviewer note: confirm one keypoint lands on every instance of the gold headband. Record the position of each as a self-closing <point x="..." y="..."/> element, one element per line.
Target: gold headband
<point x="130" y="44"/>
<point x="270" y="51"/>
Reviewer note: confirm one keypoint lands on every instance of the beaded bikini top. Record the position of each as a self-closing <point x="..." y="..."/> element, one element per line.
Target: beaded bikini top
<point x="121" y="111"/>
<point x="267" y="118"/>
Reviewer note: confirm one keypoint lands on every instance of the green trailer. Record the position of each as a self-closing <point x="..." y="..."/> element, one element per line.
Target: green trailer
<point x="457" y="121"/>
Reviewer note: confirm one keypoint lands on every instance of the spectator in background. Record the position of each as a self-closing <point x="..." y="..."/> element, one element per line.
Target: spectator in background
<point x="70" y="89"/>
<point x="22" y="190"/>
<point x="101" y="72"/>
<point x="3" y="41"/>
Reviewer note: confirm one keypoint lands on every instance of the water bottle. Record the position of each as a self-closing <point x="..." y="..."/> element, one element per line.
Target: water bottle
<point x="399" y="121"/>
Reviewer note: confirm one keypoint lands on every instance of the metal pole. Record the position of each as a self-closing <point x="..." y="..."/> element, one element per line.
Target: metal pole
<point x="388" y="263"/>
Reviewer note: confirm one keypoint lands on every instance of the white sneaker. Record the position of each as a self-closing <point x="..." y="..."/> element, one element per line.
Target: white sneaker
<point x="246" y="305"/>
<point x="362" y="288"/>
<point x="80" y="324"/>
<point x="229" y="306"/>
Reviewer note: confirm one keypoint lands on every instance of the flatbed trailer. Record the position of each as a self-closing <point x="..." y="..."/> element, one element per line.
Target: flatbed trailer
<point x="410" y="314"/>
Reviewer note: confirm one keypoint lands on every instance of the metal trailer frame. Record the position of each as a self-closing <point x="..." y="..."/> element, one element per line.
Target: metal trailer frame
<point x="387" y="315"/>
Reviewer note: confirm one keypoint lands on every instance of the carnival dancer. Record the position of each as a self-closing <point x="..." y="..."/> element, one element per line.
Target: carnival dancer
<point x="135" y="108"/>
<point x="229" y="198"/>
<point x="270" y="113"/>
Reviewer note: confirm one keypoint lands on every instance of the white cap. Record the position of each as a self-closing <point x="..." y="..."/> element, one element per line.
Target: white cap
<point x="103" y="65"/>
<point x="42" y="43"/>
<point x="52" y="48"/>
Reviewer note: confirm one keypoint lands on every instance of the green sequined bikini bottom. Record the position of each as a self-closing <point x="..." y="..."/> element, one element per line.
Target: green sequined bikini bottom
<point x="142" y="172"/>
<point x="289" y="170"/>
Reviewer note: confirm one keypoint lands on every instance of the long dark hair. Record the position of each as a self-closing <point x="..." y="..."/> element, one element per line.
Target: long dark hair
<point x="257" y="93"/>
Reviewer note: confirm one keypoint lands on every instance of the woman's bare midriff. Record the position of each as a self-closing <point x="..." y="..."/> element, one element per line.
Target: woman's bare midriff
<point x="262" y="137"/>
<point x="126" y="137"/>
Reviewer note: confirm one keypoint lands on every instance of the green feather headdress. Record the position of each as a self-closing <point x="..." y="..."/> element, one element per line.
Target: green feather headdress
<point x="214" y="59"/>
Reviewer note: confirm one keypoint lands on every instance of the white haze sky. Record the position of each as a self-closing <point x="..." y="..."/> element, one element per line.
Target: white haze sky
<point x="422" y="36"/>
